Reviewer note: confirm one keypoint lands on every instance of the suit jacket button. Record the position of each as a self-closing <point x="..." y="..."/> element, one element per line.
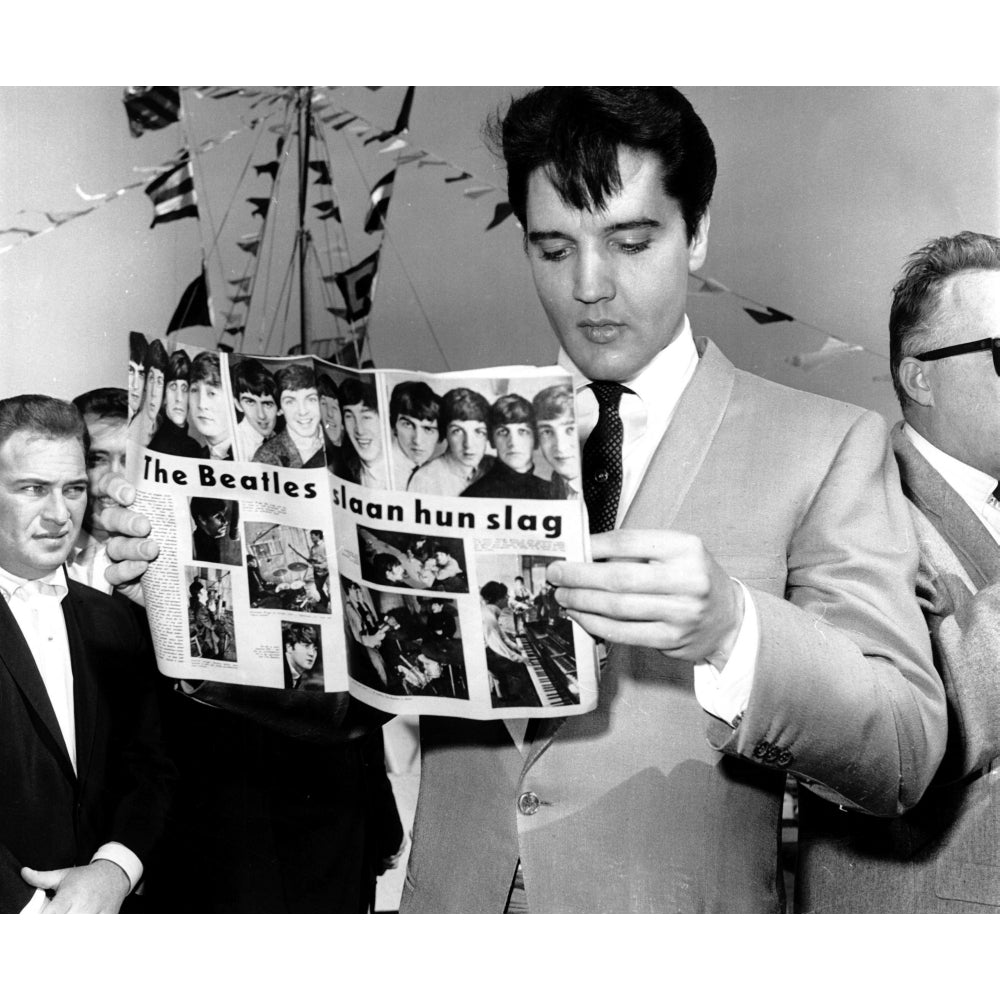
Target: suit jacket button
<point x="784" y="758"/>
<point x="601" y="476"/>
<point x="527" y="803"/>
<point x="761" y="748"/>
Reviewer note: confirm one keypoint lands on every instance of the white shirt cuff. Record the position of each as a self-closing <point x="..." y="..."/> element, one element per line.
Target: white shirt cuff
<point x="127" y="860"/>
<point x="725" y="693"/>
<point x="34" y="905"/>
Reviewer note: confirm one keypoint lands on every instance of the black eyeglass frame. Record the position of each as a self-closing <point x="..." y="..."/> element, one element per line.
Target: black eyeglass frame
<point x="989" y="344"/>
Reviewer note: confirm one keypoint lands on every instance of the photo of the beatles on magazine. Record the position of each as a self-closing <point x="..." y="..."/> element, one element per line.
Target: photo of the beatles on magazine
<point x="375" y="531"/>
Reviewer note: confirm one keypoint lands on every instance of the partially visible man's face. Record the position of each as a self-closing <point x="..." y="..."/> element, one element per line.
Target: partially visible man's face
<point x="964" y="420"/>
<point x="108" y="438"/>
<point x="300" y="408"/>
<point x="214" y="525"/>
<point x="43" y="497"/>
<point x="302" y="655"/>
<point x="135" y="385"/>
<point x="432" y="669"/>
<point x="559" y="445"/>
<point x="153" y="393"/>
<point x="417" y="438"/>
<point x="333" y="422"/>
<point x="176" y="405"/>
<point x="467" y="441"/>
<point x="514" y="444"/>
<point x="362" y="426"/>
<point x="207" y="410"/>
<point x="261" y="411"/>
<point x="614" y="283"/>
<point x="395" y="572"/>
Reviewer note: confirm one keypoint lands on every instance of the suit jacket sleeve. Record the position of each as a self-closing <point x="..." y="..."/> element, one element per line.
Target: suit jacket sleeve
<point x="14" y="891"/>
<point x="845" y="694"/>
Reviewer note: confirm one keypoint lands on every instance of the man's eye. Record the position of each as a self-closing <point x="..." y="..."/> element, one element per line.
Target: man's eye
<point x="631" y="248"/>
<point x="554" y="253"/>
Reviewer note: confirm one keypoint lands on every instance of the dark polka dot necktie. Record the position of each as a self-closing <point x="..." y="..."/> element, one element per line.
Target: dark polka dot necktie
<point x="602" y="458"/>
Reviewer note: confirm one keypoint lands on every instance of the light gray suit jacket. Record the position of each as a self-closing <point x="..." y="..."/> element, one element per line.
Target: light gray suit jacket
<point x="648" y="804"/>
<point x="944" y="856"/>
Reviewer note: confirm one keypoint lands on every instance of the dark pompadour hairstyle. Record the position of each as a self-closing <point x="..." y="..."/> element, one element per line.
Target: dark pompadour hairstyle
<point x="106" y="403"/>
<point x="42" y="416"/>
<point x="137" y="347"/>
<point x="205" y="368"/>
<point x="156" y="356"/>
<point x="178" y="368"/>
<point x="413" y="399"/>
<point x="913" y="316"/>
<point x="293" y="378"/>
<point x="299" y="632"/>
<point x="553" y="402"/>
<point x="575" y="133"/>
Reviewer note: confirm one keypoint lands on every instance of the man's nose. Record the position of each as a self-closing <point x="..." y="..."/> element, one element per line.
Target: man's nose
<point x="592" y="278"/>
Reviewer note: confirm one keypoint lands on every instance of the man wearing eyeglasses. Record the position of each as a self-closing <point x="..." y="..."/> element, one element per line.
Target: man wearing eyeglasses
<point x="943" y="856"/>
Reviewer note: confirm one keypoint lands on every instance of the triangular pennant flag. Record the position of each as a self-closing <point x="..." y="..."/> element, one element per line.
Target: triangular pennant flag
<point x="195" y="307"/>
<point x="380" y="196"/>
<point x="771" y="316"/>
<point x="357" y="286"/>
<point x="463" y="176"/>
<point x="228" y="93"/>
<point x="337" y="311"/>
<point x="226" y="348"/>
<point x="173" y="194"/>
<point x="417" y="154"/>
<point x="477" y="192"/>
<point x="271" y="169"/>
<point x="151" y="108"/>
<point x="333" y="213"/>
<point x="234" y="331"/>
<point x="237" y="299"/>
<point x="393" y="146"/>
<point x="832" y="347"/>
<point x="359" y="129"/>
<point x="344" y="122"/>
<point x="279" y="146"/>
<point x="260" y="206"/>
<point x="58" y="218"/>
<point x="502" y="211"/>
<point x="430" y="162"/>
<point x="322" y="169"/>
<point x="249" y="243"/>
<point x="240" y="282"/>
<point x="20" y="229"/>
<point x="402" y="120"/>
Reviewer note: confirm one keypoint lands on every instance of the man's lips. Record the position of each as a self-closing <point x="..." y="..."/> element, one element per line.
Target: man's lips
<point x="600" y="331"/>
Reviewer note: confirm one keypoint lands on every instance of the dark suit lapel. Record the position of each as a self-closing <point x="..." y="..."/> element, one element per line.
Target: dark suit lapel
<point x="84" y="682"/>
<point x="951" y="516"/>
<point x="16" y="658"/>
<point x="673" y="468"/>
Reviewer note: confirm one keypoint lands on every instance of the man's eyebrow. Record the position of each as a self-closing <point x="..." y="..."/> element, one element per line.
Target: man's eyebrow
<point x="538" y="235"/>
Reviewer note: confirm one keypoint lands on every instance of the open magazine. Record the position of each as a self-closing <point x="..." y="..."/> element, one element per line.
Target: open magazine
<point x="380" y="532"/>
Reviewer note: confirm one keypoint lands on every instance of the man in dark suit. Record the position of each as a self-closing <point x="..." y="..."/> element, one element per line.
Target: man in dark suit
<point x="944" y="855"/>
<point x="83" y="779"/>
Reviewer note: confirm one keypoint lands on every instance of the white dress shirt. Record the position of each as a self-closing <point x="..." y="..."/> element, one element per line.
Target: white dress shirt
<point x="37" y="608"/>
<point x="974" y="487"/>
<point x="646" y="413"/>
<point x="88" y="561"/>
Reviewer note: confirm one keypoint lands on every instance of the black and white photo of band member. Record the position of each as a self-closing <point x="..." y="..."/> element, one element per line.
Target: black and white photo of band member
<point x="302" y="656"/>
<point x="287" y="567"/>
<point x="507" y="438"/>
<point x="215" y="535"/>
<point x="422" y="562"/>
<point x="210" y="613"/>
<point x="401" y="644"/>
<point x="529" y="640"/>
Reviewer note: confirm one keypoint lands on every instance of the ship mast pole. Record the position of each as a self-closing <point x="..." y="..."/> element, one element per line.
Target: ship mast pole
<point x="305" y="104"/>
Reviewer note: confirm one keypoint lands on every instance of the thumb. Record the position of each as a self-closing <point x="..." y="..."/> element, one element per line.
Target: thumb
<point x="44" y="880"/>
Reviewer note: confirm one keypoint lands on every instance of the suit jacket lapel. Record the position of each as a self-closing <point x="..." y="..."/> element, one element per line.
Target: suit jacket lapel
<point x="84" y="686"/>
<point x="672" y="469"/>
<point x="682" y="450"/>
<point x="16" y="657"/>
<point x="951" y="516"/>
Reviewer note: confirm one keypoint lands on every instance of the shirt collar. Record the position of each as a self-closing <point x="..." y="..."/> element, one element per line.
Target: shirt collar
<point x="972" y="485"/>
<point x="10" y="583"/>
<point x="660" y="379"/>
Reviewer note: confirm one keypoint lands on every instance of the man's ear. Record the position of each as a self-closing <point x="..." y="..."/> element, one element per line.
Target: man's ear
<point x="698" y="247"/>
<point x="913" y="378"/>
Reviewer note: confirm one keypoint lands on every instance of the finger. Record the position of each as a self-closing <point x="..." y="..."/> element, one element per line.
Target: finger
<point x="633" y="543"/>
<point x="118" y="488"/>
<point x="141" y="550"/>
<point x="672" y="609"/>
<point x="44" y="879"/>
<point x="680" y="576"/>
<point x="122" y="521"/>
<point x="652" y="635"/>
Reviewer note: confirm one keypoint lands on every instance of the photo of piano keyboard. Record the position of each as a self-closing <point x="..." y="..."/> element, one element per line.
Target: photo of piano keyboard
<point x="551" y="661"/>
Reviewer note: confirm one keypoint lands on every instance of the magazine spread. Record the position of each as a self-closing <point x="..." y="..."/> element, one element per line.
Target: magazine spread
<point x="380" y="532"/>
